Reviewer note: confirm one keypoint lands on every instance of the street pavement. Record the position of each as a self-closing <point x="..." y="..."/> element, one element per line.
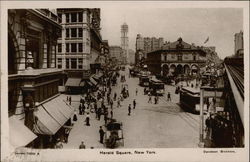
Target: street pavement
<point x="162" y="125"/>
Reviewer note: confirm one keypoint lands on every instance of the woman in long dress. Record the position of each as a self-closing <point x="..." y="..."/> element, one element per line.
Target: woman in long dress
<point x="74" y="117"/>
<point x="87" y="120"/>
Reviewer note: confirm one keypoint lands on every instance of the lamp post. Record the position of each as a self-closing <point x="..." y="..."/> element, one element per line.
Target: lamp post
<point x="201" y="141"/>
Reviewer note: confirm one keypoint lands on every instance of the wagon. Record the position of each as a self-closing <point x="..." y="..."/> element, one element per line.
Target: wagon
<point x="114" y="134"/>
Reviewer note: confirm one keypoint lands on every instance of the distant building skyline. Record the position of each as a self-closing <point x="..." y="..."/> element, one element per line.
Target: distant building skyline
<point x="175" y="22"/>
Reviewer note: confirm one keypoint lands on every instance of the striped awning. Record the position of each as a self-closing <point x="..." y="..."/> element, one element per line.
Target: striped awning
<point x="82" y="84"/>
<point x="97" y="76"/>
<point x="20" y="135"/>
<point x="52" y="115"/>
<point x="93" y="81"/>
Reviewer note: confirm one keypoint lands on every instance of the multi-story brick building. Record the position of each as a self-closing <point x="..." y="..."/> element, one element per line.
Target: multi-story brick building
<point x="146" y="45"/>
<point x="239" y="43"/>
<point x="80" y="42"/>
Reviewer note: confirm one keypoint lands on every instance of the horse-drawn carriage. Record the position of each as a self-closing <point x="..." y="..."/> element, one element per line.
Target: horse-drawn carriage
<point x="114" y="134"/>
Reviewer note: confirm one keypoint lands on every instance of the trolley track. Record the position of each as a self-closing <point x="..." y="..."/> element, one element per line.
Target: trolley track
<point x="191" y="121"/>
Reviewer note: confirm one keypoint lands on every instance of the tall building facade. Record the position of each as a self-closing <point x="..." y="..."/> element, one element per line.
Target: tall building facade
<point x="124" y="39"/>
<point x="33" y="78"/>
<point x="139" y="42"/>
<point x="80" y="43"/>
<point x="145" y="45"/>
<point x="238" y="43"/>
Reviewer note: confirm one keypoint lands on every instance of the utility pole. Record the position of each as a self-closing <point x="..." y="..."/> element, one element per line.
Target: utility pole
<point x="201" y="142"/>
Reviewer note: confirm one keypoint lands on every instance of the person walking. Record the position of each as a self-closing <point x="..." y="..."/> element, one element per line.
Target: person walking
<point x="115" y="95"/>
<point x="83" y="109"/>
<point x="105" y="118"/>
<point x="127" y="92"/>
<point x="149" y="99"/>
<point x="129" y="109"/>
<point x="87" y="120"/>
<point x="169" y="97"/>
<point x="101" y="132"/>
<point x="111" y="114"/>
<point x="99" y="112"/>
<point x="69" y="100"/>
<point x="82" y="146"/>
<point x="134" y="104"/>
<point x="80" y="109"/>
<point x="155" y="100"/>
<point x="111" y="103"/>
<point x="136" y="91"/>
<point x="75" y="117"/>
<point x="66" y="135"/>
<point x="118" y="103"/>
<point x="96" y="110"/>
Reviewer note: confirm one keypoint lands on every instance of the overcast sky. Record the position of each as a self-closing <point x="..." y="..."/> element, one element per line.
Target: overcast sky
<point x="194" y="25"/>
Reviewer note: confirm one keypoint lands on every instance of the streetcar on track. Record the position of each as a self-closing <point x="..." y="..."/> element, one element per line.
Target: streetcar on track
<point x="156" y="87"/>
<point x="190" y="99"/>
<point x="144" y="80"/>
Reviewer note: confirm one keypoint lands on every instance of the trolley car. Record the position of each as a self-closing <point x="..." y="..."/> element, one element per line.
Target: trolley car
<point x="190" y="99"/>
<point x="144" y="80"/>
<point x="157" y="87"/>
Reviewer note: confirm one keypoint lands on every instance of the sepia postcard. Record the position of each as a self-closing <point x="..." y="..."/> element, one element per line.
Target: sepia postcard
<point x="125" y="81"/>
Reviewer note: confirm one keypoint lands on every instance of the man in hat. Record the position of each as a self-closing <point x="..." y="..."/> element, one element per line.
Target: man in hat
<point x="101" y="132"/>
<point x="134" y="103"/>
<point x="82" y="146"/>
<point x="129" y="109"/>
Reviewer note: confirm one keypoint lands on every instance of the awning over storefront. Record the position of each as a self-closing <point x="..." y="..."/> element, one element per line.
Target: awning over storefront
<point x="97" y="76"/>
<point x="82" y="84"/>
<point x="73" y="82"/>
<point x="89" y="83"/>
<point x="92" y="81"/>
<point x="52" y="115"/>
<point x="20" y="135"/>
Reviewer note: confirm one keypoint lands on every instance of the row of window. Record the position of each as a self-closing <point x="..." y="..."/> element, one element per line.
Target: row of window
<point x="46" y="91"/>
<point x="72" y="17"/>
<point x="72" y="47"/>
<point x="179" y="57"/>
<point x="72" y="32"/>
<point x="71" y="63"/>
